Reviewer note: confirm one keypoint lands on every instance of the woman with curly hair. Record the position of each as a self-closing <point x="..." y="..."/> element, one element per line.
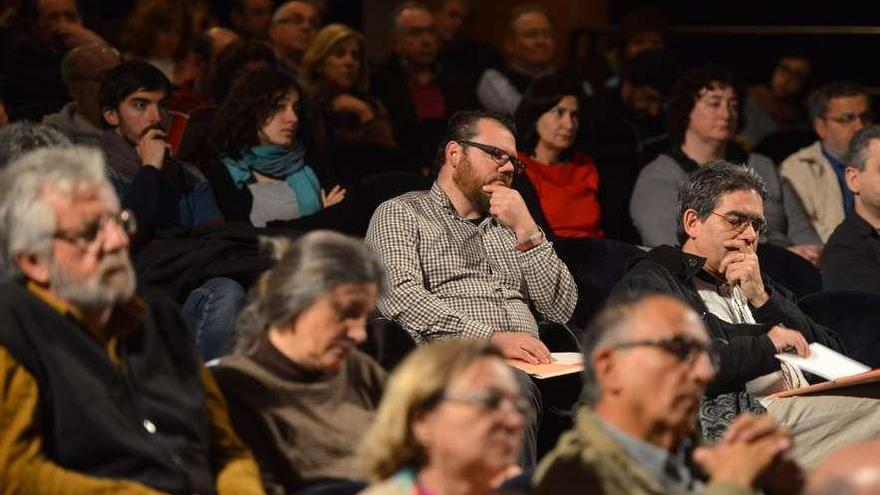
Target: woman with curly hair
<point x="703" y="118"/>
<point x="347" y="117"/>
<point x="261" y="140"/>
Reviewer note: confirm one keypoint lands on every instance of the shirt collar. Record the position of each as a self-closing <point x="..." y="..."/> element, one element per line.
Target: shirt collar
<point x="661" y="462"/>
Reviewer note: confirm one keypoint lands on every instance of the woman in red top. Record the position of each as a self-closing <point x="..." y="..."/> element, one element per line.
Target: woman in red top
<point x="560" y="184"/>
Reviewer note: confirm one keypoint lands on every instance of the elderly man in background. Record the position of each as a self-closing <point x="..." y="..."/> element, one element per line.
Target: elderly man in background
<point x="294" y="26"/>
<point x="31" y="57"/>
<point x="648" y="360"/>
<point x="851" y="258"/>
<point x="530" y="46"/>
<point x="102" y="390"/>
<point x="817" y="173"/>
<point x="82" y="70"/>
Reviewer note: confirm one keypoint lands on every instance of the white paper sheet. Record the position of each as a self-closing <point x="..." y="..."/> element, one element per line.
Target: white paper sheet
<point x="824" y="362"/>
<point x="566" y="357"/>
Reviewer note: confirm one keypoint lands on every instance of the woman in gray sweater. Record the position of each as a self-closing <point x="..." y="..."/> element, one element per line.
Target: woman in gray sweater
<point x="300" y="394"/>
<point x="704" y="114"/>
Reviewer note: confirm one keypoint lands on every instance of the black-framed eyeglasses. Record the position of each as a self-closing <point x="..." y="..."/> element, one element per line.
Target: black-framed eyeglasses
<point x="498" y="155"/>
<point x="685" y="349"/>
<point x="740" y="222"/>
<point x="89" y="235"/>
<point x="491" y="401"/>
<point x="867" y="118"/>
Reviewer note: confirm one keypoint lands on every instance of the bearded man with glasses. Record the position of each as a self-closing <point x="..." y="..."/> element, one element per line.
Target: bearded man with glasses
<point x="749" y="317"/>
<point x="101" y="390"/>
<point x="466" y="259"/>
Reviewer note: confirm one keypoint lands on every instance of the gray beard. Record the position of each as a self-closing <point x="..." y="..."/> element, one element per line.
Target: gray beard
<point x="113" y="284"/>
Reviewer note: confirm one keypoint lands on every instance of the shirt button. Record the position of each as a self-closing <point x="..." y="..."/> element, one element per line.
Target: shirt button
<point x="149" y="426"/>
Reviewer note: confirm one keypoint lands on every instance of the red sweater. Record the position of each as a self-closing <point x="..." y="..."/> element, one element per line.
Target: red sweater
<point x="568" y="193"/>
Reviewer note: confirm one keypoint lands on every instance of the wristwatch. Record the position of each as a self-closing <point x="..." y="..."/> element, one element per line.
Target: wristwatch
<point x="530" y="242"/>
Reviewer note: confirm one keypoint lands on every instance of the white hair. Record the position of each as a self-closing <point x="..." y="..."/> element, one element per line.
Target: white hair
<point x="27" y="220"/>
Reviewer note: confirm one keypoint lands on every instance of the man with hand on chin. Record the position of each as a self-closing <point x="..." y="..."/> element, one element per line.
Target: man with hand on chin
<point x="466" y="259"/>
<point x="162" y="191"/>
<point x="749" y="318"/>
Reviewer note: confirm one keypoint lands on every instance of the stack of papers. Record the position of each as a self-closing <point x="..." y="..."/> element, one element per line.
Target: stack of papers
<point x="563" y="363"/>
<point x="822" y="361"/>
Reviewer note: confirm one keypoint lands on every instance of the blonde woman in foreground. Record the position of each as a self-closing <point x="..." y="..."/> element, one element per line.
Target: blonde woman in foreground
<point x="451" y="422"/>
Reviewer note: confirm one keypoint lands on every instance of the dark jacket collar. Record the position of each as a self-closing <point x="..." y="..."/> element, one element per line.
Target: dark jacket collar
<point x="681" y="264"/>
<point x="859" y="226"/>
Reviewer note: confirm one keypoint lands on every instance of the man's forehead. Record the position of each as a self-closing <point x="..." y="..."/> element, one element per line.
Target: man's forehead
<point x="858" y="100"/>
<point x="48" y="6"/>
<point x="296" y="7"/>
<point x="78" y="197"/>
<point x="415" y="16"/>
<point x="493" y="133"/>
<point x="530" y="20"/>
<point x="145" y="94"/>
<point x="663" y="316"/>
<point x="742" y="200"/>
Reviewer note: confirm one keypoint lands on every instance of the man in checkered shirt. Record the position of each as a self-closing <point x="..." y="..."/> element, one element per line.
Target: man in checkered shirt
<point x="466" y="259"/>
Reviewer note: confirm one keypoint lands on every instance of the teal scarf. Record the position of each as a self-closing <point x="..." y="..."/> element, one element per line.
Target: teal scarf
<point x="280" y="163"/>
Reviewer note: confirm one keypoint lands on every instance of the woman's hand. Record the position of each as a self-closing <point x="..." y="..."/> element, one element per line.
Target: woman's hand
<point x="336" y="195"/>
<point x="348" y="103"/>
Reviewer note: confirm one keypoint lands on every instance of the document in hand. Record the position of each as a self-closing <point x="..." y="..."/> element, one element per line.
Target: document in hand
<point x="825" y="362"/>
<point x="562" y="363"/>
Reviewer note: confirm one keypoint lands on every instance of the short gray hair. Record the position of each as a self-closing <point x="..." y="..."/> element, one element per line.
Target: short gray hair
<point x="20" y="137"/>
<point x="307" y="268"/>
<point x="610" y="326"/>
<point x="705" y="186"/>
<point x="857" y="156"/>
<point x="27" y="220"/>
<point x="820" y="99"/>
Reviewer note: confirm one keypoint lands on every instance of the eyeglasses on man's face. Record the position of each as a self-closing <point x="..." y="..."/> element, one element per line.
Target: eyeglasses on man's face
<point x="740" y="221"/>
<point x="685" y="349"/>
<point x="89" y="235"/>
<point x="866" y="118"/>
<point x="499" y="156"/>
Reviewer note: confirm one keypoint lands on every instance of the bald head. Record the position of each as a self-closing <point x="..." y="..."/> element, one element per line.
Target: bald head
<point x="220" y="38"/>
<point x="854" y="470"/>
<point x="89" y="61"/>
<point x="83" y="70"/>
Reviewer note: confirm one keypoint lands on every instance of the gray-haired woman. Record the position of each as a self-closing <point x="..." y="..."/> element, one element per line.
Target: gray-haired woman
<point x="299" y="392"/>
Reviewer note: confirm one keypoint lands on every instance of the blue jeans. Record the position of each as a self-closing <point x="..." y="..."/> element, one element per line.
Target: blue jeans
<point x="211" y="310"/>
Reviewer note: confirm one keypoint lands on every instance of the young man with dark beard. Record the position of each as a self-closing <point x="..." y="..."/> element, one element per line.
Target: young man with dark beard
<point x="162" y="191"/>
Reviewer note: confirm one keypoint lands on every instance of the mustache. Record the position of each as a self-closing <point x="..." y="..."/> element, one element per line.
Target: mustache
<point x="158" y="127"/>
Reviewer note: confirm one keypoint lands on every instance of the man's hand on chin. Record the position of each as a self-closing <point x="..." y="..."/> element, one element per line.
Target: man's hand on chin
<point x="740" y="267"/>
<point x="152" y="148"/>
<point x="521" y="346"/>
<point x="509" y="208"/>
